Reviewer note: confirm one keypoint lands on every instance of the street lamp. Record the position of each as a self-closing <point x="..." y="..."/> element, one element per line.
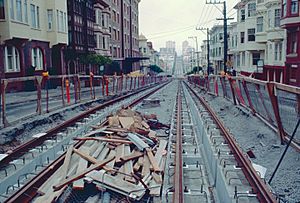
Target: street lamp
<point x="197" y="51"/>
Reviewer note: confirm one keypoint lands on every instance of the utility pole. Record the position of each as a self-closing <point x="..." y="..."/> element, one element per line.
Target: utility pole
<point x="225" y="19"/>
<point x="208" y="48"/>
<point x="197" y="52"/>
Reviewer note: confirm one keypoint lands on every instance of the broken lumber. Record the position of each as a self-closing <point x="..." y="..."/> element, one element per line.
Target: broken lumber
<point x="103" y="140"/>
<point x="152" y="160"/>
<point x="82" y="174"/>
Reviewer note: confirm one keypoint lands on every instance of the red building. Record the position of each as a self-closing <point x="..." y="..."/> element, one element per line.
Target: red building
<point x="291" y="22"/>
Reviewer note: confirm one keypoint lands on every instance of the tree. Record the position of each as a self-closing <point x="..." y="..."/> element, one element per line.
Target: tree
<point x="155" y="69"/>
<point x="94" y="59"/>
<point x="195" y="70"/>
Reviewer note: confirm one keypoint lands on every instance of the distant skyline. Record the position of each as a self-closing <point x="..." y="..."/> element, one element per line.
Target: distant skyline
<point x="176" y="20"/>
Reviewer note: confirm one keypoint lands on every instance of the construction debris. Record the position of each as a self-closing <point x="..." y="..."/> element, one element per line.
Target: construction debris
<point x="125" y="156"/>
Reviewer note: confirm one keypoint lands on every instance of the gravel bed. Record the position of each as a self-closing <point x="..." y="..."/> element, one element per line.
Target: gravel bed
<point x="252" y="134"/>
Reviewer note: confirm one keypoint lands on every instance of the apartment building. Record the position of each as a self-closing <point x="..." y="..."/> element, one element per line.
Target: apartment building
<point x="290" y="21"/>
<point x="203" y="56"/>
<point x="33" y="35"/>
<point x="168" y="55"/>
<point x="147" y="52"/>
<point x="124" y="45"/>
<point x="217" y="48"/>
<point x="101" y="27"/>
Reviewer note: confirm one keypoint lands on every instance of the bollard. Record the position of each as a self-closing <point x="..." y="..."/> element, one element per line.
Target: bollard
<point x="68" y="91"/>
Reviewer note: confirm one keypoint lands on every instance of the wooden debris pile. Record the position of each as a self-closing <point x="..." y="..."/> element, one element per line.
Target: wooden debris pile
<point x="124" y="156"/>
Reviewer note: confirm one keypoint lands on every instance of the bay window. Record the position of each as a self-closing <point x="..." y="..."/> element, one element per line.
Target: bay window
<point x="37" y="60"/>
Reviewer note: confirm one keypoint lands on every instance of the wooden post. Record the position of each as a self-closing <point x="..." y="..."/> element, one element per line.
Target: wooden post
<point x="3" y="91"/>
<point x="39" y="94"/>
<point x="248" y="96"/>
<point x="232" y="90"/>
<point x="274" y="101"/>
<point x="263" y="102"/>
<point x="62" y="91"/>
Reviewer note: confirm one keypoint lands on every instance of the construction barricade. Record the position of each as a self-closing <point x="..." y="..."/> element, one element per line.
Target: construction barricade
<point x="278" y="105"/>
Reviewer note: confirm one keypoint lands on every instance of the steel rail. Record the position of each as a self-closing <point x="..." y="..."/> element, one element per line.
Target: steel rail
<point x="30" y="189"/>
<point x="178" y="176"/>
<point x="264" y="194"/>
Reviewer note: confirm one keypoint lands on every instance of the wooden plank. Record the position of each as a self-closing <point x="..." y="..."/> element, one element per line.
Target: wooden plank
<point x="82" y="165"/>
<point x="103" y="140"/>
<point x="134" y="155"/>
<point x="138" y="164"/>
<point x="97" y="166"/>
<point x="97" y="152"/>
<point x="121" y="130"/>
<point x="152" y="160"/>
<point x="157" y="177"/>
<point x="159" y="153"/>
<point x="119" y="153"/>
<point x="118" y="185"/>
<point x="146" y="166"/>
<point x="66" y="163"/>
<point x="128" y="168"/>
<point x="145" y="124"/>
<point x="113" y="121"/>
<point x="126" y="122"/>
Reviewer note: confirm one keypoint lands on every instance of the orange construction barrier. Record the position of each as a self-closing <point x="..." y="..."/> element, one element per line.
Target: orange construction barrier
<point x="68" y="91"/>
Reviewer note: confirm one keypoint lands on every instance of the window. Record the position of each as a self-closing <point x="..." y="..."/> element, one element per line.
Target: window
<point x="50" y="19"/>
<point x="19" y="10"/>
<point x="260" y="1"/>
<point x="26" y="11"/>
<point x="260" y="24"/>
<point x="12" y="59"/>
<point x="284" y="11"/>
<point x="33" y="16"/>
<point x="269" y="19"/>
<point x="277" y="18"/>
<point x="242" y="37"/>
<point x="293" y="42"/>
<point x="37" y="58"/>
<point x="38" y="16"/>
<point x="220" y="36"/>
<point x="61" y="21"/>
<point x="255" y="58"/>
<point x="251" y="35"/>
<point x="104" y="43"/>
<point x="2" y="10"/>
<point x="11" y="9"/>
<point x="238" y="63"/>
<point x="242" y="15"/>
<point x="251" y="9"/>
<point x="294" y="7"/>
<point x="278" y="51"/>
<point x="65" y="22"/>
<point x="243" y="58"/>
<point x="57" y="19"/>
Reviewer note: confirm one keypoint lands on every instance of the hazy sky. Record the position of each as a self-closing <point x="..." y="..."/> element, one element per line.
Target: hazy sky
<point x="163" y="20"/>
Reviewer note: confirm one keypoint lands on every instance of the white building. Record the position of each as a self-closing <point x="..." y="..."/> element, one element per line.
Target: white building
<point x="31" y="33"/>
<point x="257" y="39"/>
<point x="217" y="48"/>
<point x="203" y="56"/>
<point x="147" y="51"/>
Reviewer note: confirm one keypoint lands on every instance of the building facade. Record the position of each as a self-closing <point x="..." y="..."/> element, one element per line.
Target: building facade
<point x="147" y="51"/>
<point x="124" y="44"/>
<point x="34" y="35"/>
<point x="168" y="55"/>
<point x="217" y="48"/>
<point x="101" y="27"/>
<point x="290" y="21"/>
